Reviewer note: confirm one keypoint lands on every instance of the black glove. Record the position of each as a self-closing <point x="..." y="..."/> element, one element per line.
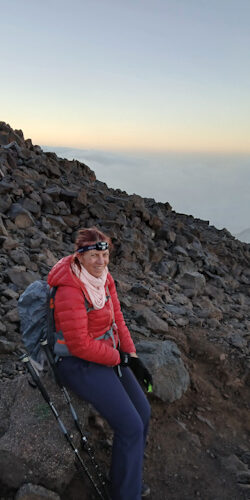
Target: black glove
<point x="139" y="369"/>
<point x="141" y="372"/>
<point x="125" y="358"/>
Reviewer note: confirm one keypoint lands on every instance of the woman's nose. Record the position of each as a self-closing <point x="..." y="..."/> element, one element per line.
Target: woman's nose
<point x="100" y="259"/>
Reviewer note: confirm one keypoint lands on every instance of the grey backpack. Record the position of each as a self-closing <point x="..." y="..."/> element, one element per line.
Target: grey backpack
<point x="36" y="312"/>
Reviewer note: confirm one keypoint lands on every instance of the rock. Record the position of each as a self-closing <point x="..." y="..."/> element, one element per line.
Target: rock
<point x="6" y="346"/>
<point x="205" y="421"/>
<point x="54" y="169"/>
<point x="214" y="292"/>
<point x="150" y="320"/>
<point x="180" y="251"/>
<point x="6" y="187"/>
<point x="31" y="206"/>
<point x="193" y="280"/>
<point x="20" y="257"/>
<point x="233" y="464"/>
<point x="12" y="316"/>
<point x="140" y="290"/>
<point x="213" y="323"/>
<point x="176" y="310"/>
<point x="182" y="321"/>
<point x="33" y="448"/>
<point x="34" y="492"/>
<point x="49" y="258"/>
<point x="9" y="137"/>
<point x="245" y="458"/>
<point x="71" y="220"/>
<point x="69" y="194"/>
<point x="10" y="294"/>
<point x="9" y="244"/>
<point x="57" y="221"/>
<point x="3" y="230"/>
<point x="22" y="278"/>
<point x="5" y="203"/>
<point x="24" y="220"/>
<point x="53" y="192"/>
<point x="82" y="197"/>
<point x="2" y="329"/>
<point x="237" y="340"/>
<point x="244" y="477"/>
<point x="163" y="359"/>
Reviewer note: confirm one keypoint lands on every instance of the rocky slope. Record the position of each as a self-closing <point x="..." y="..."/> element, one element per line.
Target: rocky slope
<point x="181" y="283"/>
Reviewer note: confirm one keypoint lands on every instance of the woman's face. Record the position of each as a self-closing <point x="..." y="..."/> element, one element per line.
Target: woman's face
<point x="95" y="261"/>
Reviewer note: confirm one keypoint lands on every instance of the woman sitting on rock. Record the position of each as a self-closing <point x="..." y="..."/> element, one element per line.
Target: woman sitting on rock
<point x="95" y="350"/>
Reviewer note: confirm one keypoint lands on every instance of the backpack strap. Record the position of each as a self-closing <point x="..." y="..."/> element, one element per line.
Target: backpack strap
<point x="50" y="317"/>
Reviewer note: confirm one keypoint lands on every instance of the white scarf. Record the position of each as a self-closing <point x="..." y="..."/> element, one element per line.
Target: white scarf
<point x="94" y="286"/>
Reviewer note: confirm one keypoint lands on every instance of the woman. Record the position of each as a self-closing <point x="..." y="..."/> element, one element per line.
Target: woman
<point x="95" y="351"/>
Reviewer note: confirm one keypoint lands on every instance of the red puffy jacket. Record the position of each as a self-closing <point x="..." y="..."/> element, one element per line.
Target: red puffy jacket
<point x="80" y="328"/>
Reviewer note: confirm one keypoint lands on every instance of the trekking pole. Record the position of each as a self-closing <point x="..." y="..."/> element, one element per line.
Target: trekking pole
<point x="25" y="359"/>
<point x="84" y="439"/>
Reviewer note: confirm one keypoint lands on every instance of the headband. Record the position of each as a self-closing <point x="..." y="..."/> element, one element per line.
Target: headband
<point x="100" y="245"/>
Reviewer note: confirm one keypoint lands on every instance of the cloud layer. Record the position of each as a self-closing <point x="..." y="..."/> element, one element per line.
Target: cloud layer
<point x="208" y="186"/>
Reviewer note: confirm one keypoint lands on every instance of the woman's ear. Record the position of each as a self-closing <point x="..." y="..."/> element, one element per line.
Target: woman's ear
<point x="76" y="260"/>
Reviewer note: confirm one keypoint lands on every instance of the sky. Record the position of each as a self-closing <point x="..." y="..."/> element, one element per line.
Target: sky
<point x="144" y="75"/>
<point x="153" y="94"/>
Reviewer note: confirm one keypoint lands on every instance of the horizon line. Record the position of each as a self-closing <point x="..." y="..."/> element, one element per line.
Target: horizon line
<point x="151" y="150"/>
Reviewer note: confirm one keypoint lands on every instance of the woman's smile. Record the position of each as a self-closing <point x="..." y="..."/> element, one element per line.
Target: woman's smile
<point x="95" y="261"/>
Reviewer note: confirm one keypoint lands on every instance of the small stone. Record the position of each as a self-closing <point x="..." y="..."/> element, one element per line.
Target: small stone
<point x="10" y="294"/>
<point x="24" y="220"/>
<point x="3" y="328"/>
<point x="3" y="230"/>
<point x="6" y="346"/>
<point x="10" y="244"/>
<point x="82" y="197"/>
<point x="34" y="492"/>
<point x="13" y="315"/>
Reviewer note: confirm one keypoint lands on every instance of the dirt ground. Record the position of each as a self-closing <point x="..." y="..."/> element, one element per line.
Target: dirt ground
<point x="199" y="446"/>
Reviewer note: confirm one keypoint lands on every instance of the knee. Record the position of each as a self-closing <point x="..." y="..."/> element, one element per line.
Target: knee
<point x="134" y="428"/>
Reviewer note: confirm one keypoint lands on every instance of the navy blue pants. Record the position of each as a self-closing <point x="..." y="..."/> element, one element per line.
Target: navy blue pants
<point x="122" y="402"/>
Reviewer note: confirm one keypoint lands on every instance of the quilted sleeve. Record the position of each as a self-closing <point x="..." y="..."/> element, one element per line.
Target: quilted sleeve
<point x="127" y="344"/>
<point x="72" y="319"/>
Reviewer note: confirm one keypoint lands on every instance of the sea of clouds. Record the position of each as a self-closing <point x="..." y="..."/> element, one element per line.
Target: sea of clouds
<point x="214" y="187"/>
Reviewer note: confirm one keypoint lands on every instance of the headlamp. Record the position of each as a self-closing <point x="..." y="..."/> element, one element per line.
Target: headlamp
<point x="99" y="245"/>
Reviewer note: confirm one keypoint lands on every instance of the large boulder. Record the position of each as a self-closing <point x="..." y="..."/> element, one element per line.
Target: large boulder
<point x="32" y="446"/>
<point x="163" y="359"/>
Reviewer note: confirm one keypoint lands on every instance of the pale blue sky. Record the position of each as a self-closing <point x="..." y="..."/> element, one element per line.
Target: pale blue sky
<point x="151" y="76"/>
<point x="114" y="74"/>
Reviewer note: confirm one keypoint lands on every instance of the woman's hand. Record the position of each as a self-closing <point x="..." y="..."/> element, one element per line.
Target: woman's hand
<point x="139" y="369"/>
<point x="141" y="373"/>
